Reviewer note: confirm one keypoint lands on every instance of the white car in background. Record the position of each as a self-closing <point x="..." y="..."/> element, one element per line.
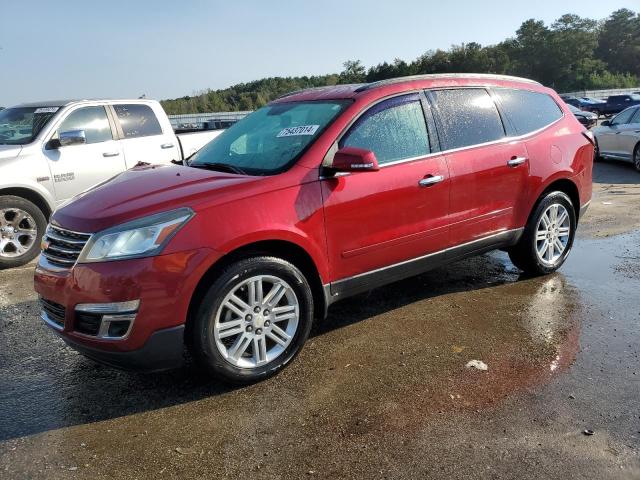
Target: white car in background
<point x="52" y="151"/>
<point x="619" y="138"/>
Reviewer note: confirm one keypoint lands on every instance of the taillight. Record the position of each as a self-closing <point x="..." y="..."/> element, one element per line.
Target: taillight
<point x="588" y="134"/>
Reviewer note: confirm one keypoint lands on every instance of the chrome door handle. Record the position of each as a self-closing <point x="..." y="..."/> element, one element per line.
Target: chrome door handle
<point x="426" y="182"/>
<point x="514" y="162"/>
<point x="164" y="146"/>
<point x="110" y="154"/>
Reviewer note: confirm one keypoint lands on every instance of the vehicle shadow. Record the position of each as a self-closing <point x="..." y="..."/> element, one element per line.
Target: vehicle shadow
<point x="46" y="385"/>
<point x="616" y="172"/>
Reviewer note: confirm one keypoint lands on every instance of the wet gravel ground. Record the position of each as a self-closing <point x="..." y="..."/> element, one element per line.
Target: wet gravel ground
<point x="380" y="390"/>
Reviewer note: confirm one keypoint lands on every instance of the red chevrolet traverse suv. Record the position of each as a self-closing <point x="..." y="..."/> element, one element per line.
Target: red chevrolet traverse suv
<point x="320" y="195"/>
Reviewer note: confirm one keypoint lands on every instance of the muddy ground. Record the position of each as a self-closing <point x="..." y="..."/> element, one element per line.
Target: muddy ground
<point x="380" y="390"/>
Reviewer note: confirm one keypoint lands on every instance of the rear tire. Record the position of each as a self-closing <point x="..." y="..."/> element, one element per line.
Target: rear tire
<point x="596" y="155"/>
<point x="547" y="237"/>
<point x="253" y="320"/>
<point x="22" y="225"/>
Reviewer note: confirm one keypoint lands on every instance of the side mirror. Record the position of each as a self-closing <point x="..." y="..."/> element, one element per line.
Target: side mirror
<point x="72" y="137"/>
<point x="606" y="123"/>
<point x="353" y="159"/>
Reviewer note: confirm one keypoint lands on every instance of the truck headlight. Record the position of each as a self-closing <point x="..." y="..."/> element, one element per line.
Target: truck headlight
<point x="144" y="237"/>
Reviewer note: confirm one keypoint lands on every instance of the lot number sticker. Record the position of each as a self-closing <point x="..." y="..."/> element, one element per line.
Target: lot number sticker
<point x="297" y="131"/>
<point x="47" y="110"/>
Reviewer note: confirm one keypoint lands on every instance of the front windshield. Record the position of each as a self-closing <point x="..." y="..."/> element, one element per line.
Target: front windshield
<point x="271" y="139"/>
<point x="21" y="125"/>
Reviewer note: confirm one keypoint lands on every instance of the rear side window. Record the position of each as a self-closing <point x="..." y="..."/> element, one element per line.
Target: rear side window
<point x="468" y="116"/>
<point x="394" y="129"/>
<point x="94" y="122"/>
<point x="528" y="111"/>
<point x="137" y="120"/>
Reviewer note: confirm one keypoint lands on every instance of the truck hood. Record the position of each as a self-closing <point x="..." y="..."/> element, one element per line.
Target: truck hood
<point x="146" y="190"/>
<point x="9" y="151"/>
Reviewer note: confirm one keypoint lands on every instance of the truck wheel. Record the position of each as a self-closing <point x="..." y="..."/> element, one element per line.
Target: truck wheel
<point x="253" y="320"/>
<point x="548" y="236"/>
<point x="22" y="225"/>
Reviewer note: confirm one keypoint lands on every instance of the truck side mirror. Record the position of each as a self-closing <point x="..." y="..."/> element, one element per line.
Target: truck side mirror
<point x="72" y="137"/>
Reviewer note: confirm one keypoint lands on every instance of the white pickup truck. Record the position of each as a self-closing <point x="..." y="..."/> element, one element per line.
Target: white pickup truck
<point x="51" y="151"/>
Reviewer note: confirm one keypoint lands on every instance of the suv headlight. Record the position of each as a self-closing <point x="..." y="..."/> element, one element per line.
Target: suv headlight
<point x="144" y="237"/>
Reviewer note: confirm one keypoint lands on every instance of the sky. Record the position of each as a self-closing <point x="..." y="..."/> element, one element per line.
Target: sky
<point x="166" y="49"/>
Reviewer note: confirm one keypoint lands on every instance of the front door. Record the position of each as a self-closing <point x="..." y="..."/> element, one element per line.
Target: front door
<point x="611" y="139"/>
<point x="378" y="219"/>
<point x="75" y="168"/>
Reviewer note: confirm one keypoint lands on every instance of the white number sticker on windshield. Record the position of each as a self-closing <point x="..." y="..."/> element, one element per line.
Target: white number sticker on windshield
<point x="46" y="110"/>
<point x="297" y="131"/>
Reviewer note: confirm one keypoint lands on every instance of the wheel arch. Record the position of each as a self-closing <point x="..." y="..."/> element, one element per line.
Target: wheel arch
<point x="287" y="250"/>
<point x="28" y="194"/>
<point x="565" y="185"/>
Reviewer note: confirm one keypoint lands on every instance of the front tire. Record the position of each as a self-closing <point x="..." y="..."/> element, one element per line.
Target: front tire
<point x="253" y="320"/>
<point x="636" y="157"/>
<point x="22" y="225"/>
<point x="547" y="237"/>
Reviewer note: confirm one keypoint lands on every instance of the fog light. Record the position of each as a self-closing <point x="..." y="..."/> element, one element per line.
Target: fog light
<point x="106" y="320"/>
<point x="115" y="307"/>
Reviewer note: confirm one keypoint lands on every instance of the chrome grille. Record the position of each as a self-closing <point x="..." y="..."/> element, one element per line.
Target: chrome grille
<point x="62" y="247"/>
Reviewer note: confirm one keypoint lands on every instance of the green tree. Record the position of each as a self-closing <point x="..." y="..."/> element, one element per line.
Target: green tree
<point x="619" y="42"/>
<point x="354" y="72"/>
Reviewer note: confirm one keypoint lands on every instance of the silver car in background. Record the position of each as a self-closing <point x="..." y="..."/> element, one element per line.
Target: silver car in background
<point x="619" y="138"/>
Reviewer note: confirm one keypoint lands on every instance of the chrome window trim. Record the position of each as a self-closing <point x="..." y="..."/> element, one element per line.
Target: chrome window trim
<point x="506" y="139"/>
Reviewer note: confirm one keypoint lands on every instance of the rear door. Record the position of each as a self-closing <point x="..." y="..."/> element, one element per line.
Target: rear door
<point x="489" y="175"/>
<point x="377" y="219"/>
<point x="142" y="136"/>
<point x="75" y="168"/>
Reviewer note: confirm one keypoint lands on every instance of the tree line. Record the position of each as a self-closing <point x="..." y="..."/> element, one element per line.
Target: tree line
<point x="571" y="54"/>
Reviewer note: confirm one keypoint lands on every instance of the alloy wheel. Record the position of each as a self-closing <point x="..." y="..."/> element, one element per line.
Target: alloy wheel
<point x="18" y="232"/>
<point x="256" y="321"/>
<point x="552" y="234"/>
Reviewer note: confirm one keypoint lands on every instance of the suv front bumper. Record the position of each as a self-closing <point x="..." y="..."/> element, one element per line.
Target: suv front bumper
<point x="163" y="285"/>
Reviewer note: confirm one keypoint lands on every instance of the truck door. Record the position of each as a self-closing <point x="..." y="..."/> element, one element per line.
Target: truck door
<point x="142" y="136"/>
<point x="74" y="168"/>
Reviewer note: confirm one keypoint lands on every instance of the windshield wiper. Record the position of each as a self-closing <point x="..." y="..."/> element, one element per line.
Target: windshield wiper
<point x="221" y="167"/>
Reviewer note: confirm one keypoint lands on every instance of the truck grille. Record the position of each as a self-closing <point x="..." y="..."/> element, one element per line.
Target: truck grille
<point x="54" y="311"/>
<point x="63" y="247"/>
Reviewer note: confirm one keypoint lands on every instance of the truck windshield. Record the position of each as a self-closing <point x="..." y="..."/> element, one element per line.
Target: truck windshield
<point x="21" y="125"/>
<point x="269" y="140"/>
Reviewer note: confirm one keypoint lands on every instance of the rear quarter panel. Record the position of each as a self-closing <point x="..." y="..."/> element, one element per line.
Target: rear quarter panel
<point x="558" y="152"/>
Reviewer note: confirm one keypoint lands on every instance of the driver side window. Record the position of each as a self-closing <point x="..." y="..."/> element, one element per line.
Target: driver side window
<point x="624" y="117"/>
<point x="394" y="129"/>
<point x="94" y="122"/>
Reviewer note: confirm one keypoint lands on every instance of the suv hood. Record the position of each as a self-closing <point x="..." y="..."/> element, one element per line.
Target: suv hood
<point x="145" y="190"/>
<point x="9" y="151"/>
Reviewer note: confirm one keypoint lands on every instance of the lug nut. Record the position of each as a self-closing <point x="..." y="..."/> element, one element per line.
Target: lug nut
<point x="248" y="318"/>
<point x="249" y="328"/>
<point x="259" y="331"/>
<point x="267" y="323"/>
<point x="257" y="309"/>
<point x="266" y="312"/>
